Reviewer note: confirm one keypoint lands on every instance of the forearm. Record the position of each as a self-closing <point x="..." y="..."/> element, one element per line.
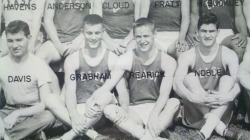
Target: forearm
<point x="116" y="76"/>
<point x="182" y="91"/>
<point x="30" y="111"/>
<point x="71" y="105"/>
<point x="128" y="38"/>
<point x="241" y="25"/>
<point x="184" y="29"/>
<point x="185" y="12"/>
<point x="52" y="33"/>
<point x="36" y="25"/>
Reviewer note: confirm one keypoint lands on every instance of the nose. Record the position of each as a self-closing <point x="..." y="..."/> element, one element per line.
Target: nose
<point x="207" y="34"/>
<point x="142" y="40"/>
<point x="93" y="36"/>
<point x="15" y="44"/>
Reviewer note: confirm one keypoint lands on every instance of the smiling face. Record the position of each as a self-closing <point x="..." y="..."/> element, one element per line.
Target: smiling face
<point x="144" y="37"/>
<point x="93" y="35"/>
<point x="208" y="34"/>
<point x="17" y="44"/>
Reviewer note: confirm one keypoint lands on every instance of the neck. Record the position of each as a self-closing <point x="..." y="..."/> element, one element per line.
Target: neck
<point x="20" y="59"/>
<point x="93" y="52"/>
<point x="208" y="50"/>
<point x="145" y="56"/>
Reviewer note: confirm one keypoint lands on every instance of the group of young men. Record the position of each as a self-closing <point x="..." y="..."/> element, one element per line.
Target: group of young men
<point x="199" y="65"/>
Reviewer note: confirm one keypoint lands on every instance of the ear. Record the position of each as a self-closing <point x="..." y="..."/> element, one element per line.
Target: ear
<point x="29" y="36"/>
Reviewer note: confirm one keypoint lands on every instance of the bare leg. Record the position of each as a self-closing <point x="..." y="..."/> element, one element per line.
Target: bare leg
<point x="214" y="116"/>
<point x="58" y="108"/>
<point x="132" y="123"/>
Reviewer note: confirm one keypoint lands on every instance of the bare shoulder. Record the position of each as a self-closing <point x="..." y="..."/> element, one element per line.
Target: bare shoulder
<point x="167" y="59"/>
<point x="112" y="58"/>
<point x="188" y="56"/>
<point x="125" y="61"/>
<point x="168" y="63"/>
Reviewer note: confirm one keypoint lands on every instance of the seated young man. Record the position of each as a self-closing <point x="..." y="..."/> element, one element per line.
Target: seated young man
<point x="26" y="82"/>
<point x="85" y="71"/>
<point x="171" y="21"/>
<point x="149" y="80"/>
<point x="32" y="15"/>
<point x="232" y="30"/>
<point x="206" y="81"/>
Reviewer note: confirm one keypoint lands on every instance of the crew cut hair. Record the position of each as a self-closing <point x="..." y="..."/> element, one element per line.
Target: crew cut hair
<point x="92" y="19"/>
<point x="144" y="22"/>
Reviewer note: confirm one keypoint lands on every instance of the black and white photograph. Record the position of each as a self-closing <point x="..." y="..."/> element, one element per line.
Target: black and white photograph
<point x="125" y="70"/>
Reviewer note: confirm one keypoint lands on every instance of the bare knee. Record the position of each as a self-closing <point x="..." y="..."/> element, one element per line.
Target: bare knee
<point x="46" y="118"/>
<point x="227" y="79"/>
<point x="111" y="112"/>
<point x="173" y="103"/>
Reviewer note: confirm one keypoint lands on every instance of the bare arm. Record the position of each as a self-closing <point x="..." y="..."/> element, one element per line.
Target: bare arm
<point x="50" y="26"/>
<point x="185" y="12"/>
<point x="36" y="23"/>
<point x="123" y="97"/>
<point x="194" y="17"/>
<point x="130" y="36"/>
<point x="123" y="63"/>
<point x="70" y="65"/>
<point x="240" y="21"/>
<point x="246" y="11"/>
<point x="231" y="59"/>
<point x="244" y="72"/>
<point x="184" y="62"/>
<point x="144" y="8"/>
<point x="169" y="67"/>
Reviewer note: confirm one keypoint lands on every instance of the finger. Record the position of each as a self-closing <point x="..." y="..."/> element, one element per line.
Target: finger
<point x="151" y="131"/>
<point x="235" y="37"/>
<point x="242" y="43"/>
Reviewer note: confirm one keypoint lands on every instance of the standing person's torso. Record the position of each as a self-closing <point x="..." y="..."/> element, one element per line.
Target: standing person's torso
<point x="223" y="9"/>
<point x="118" y="17"/>
<point x="68" y="18"/>
<point x="21" y="83"/>
<point x="144" y="80"/>
<point x="166" y="14"/>
<point x="91" y="78"/>
<point x="210" y="73"/>
<point x="19" y="10"/>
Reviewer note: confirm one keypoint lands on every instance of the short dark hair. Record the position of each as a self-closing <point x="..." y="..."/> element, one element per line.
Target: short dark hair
<point x="17" y="26"/>
<point x="144" y="22"/>
<point x="208" y="18"/>
<point x="92" y="19"/>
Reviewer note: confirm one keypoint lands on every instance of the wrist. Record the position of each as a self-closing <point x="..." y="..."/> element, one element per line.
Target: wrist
<point x="17" y="113"/>
<point x="73" y="114"/>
